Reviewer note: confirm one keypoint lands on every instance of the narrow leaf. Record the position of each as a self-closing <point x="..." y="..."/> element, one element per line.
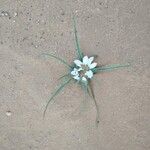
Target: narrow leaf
<point x="58" y="58"/>
<point x="64" y="76"/>
<point x="55" y="94"/>
<point x="109" y="67"/>
<point x="91" y="93"/>
<point x="79" y="52"/>
<point x="85" y="87"/>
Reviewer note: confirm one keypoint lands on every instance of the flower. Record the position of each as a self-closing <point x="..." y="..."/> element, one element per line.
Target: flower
<point x="75" y="74"/>
<point x="83" y="69"/>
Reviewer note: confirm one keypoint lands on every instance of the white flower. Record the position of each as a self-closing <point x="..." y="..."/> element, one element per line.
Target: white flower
<point x="84" y="79"/>
<point x="75" y="72"/>
<point x="89" y="74"/>
<point x="86" y="61"/>
<point x="84" y="69"/>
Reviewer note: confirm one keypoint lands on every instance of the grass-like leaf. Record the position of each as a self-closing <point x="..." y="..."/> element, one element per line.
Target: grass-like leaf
<point x="88" y="89"/>
<point x="109" y="67"/>
<point x="58" y="58"/>
<point x="91" y="93"/>
<point x="79" y="52"/>
<point x="60" y="88"/>
<point x="64" y="76"/>
<point x="84" y="86"/>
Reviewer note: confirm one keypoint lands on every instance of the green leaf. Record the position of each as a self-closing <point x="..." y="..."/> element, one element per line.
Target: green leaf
<point x="109" y="67"/>
<point x="64" y="76"/>
<point x="91" y="94"/>
<point x="79" y="52"/>
<point x="87" y="87"/>
<point x="84" y="85"/>
<point x="60" y="88"/>
<point x="58" y="58"/>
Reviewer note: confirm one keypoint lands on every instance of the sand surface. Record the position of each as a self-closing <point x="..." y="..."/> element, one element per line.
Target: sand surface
<point x="118" y="31"/>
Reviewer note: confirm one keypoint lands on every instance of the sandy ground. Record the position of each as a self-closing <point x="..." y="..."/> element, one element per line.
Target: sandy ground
<point x="118" y="31"/>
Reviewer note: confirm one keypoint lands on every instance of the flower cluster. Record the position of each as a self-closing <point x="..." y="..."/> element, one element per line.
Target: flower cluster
<point x="83" y="69"/>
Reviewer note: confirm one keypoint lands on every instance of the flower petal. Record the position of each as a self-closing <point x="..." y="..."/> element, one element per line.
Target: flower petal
<point x="76" y="77"/>
<point x="78" y="63"/>
<point x="89" y="74"/>
<point x="85" y="60"/>
<point x="74" y="72"/>
<point x="80" y="69"/>
<point x="93" y="65"/>
<point x="84" y="79"/>
<point x="91" y="59"/>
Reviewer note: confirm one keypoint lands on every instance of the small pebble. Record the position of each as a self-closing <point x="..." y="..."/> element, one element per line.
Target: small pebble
<point x="8" y="113"/>
<point x="4" y="14"/>
<point x="15" y="14"/>
<point x="38" y="21"/>
<point x="63" y="13"/>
